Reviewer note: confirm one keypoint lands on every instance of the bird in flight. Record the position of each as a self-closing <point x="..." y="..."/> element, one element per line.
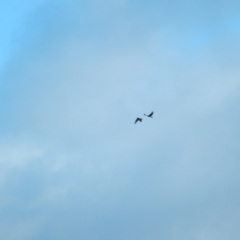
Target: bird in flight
<point x="138" y="119"/>
<point x="150" y="115"/>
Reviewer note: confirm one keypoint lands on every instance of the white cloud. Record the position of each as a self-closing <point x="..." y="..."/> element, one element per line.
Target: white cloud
<point x="89" y="167"/>
<point x="15" y="155"/>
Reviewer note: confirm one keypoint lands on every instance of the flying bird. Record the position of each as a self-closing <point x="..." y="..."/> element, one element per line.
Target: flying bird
<point x="138" y="119"/>
<point x="150" y="115"/>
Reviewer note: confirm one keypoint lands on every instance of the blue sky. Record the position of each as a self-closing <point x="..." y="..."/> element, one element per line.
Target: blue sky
<point x="74" y="75"/>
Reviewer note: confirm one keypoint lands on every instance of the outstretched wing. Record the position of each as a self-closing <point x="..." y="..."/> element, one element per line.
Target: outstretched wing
<point x="150" y="115"/>
<point x="138" y="119"/>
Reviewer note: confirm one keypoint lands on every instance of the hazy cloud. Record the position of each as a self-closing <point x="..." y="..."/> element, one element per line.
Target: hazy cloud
<point x="74" y="165"/>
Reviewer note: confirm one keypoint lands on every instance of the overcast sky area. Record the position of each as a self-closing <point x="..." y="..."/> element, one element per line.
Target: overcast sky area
<point x="74" y="75"/>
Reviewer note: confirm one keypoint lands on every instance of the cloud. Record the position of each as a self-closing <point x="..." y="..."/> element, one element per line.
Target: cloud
<point x="15" y="156"/>
<point x="76" y="164"/>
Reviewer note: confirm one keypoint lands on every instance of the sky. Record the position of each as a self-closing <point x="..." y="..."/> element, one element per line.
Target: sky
<point x="74" y="75"/>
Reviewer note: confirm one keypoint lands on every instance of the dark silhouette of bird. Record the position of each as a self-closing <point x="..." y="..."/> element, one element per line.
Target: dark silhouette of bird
<point x="150" y="115"/>
<point x="138" y="119"/>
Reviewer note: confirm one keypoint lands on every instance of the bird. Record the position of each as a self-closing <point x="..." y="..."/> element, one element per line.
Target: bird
<point x="138" y="119"/>
<point x="150" y="115"/>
